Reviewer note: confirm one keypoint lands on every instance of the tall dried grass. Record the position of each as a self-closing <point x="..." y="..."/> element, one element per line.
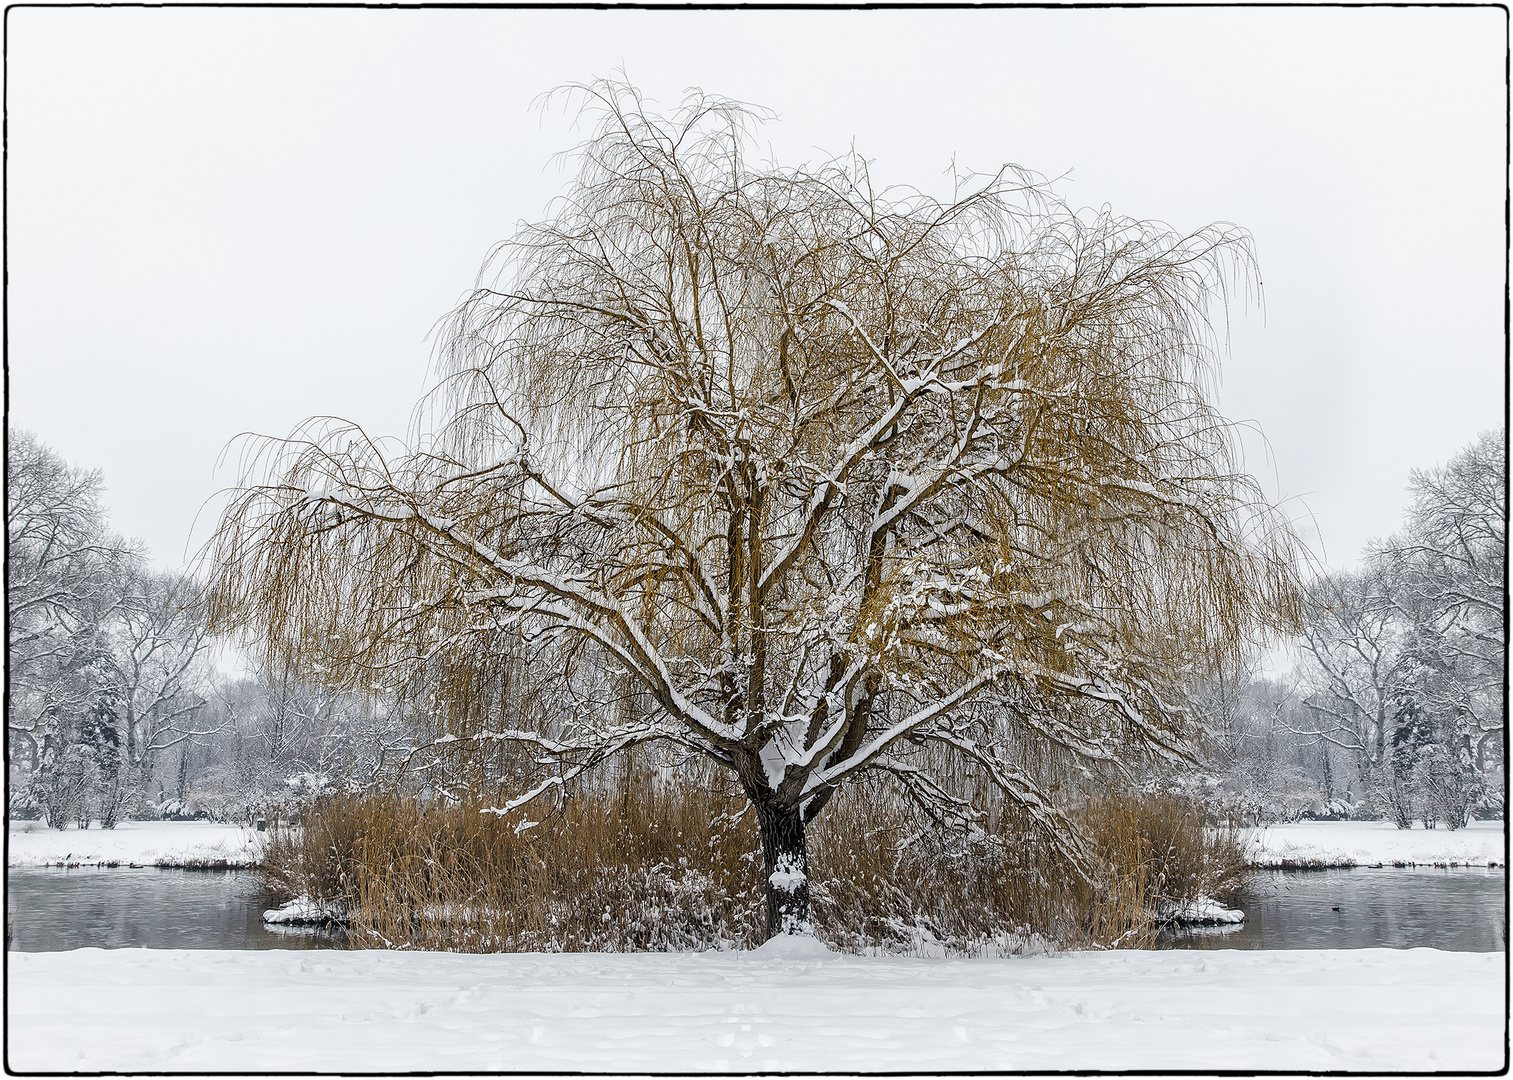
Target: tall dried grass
<point x="1160" y="856"/>
<point x="660" y="869"/>
<point x="674" y="865"/>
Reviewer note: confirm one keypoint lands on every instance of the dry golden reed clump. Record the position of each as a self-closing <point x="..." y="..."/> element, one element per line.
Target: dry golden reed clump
<point x="1160" y="856"/>
<point x="675" y="866"/>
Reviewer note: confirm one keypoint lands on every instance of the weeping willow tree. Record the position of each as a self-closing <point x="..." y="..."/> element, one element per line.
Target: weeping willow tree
<point x="806" y="478"/>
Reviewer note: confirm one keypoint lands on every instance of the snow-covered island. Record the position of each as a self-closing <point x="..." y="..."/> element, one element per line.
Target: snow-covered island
<point x="192" y="844"/>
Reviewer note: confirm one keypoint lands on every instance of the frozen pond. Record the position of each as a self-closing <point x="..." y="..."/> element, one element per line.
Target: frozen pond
<point x="51" y="910"/>
<point x="1459" y="910"/>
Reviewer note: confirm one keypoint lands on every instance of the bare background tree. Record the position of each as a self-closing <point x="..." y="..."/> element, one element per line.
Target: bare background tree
<point x="159" y="668"/>
<point x="805" y="478"/>
<point x="1349" y="640"/>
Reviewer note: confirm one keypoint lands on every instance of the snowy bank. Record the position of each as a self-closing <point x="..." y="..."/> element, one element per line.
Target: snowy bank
<point x="137" y="1010"/>
<point x="1203" y="911"/>
<point x="1375" y="843"/>
<point x="303" y="911"/>
<point x="135" y="843"/>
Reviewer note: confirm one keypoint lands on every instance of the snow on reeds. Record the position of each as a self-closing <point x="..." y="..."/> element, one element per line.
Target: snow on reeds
<point x="673" y="865"/>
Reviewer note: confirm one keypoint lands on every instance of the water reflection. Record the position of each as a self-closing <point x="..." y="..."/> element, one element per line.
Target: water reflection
<point x="50" y="910"/>
<point x="1459" y="910"/>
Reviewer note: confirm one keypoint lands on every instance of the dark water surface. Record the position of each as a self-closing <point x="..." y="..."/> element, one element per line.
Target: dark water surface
<point x="1461" y="910"/>
<point x="50" y="910"/>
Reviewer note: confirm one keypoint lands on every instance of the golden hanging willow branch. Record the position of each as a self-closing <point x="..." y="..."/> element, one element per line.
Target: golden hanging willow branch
<point x="831" y="479"/>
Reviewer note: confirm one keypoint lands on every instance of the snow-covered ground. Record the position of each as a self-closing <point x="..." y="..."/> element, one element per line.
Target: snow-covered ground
<point x="135" y="843"/>
<point x="1377" y="843"/>
<point x="1334" y="843"/>
<point x="139" y="1010"/>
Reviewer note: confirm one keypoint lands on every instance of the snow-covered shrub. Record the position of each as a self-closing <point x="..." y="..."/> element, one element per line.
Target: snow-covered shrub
<point x="883" y="881"/>
<point x="1329" y="810"/>
<point x="187" y="809"/>
<point x="218" y="805"/>
<point x="307" y="785"/>
<point x="115" y="796"/>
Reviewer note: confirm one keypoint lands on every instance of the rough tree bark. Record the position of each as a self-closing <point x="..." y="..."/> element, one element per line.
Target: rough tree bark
<point x="785" y="868"/>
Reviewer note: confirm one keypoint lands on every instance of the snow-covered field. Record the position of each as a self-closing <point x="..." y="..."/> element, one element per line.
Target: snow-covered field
<point x="1377" y="843"/>
<point x="142" y="1010"/>
<point x="1333" y="843"/>
<point x="134" y="843"/>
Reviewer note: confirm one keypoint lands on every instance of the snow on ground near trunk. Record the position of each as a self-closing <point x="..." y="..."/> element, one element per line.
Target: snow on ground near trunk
<point x="137" y="1010"/>
<point x="143" y="843"/>
<point x="1373" y="843"/>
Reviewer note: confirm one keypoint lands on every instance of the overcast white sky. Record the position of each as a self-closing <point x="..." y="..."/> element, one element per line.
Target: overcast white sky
<point x="229" y="220"/>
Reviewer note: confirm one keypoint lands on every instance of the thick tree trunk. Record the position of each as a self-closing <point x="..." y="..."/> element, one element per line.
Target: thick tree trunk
<point x="785" y="866"/>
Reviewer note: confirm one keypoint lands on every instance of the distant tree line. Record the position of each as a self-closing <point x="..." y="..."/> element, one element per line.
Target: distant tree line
<point x="114" y="707"/>
<point x="1397" y="708"/>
